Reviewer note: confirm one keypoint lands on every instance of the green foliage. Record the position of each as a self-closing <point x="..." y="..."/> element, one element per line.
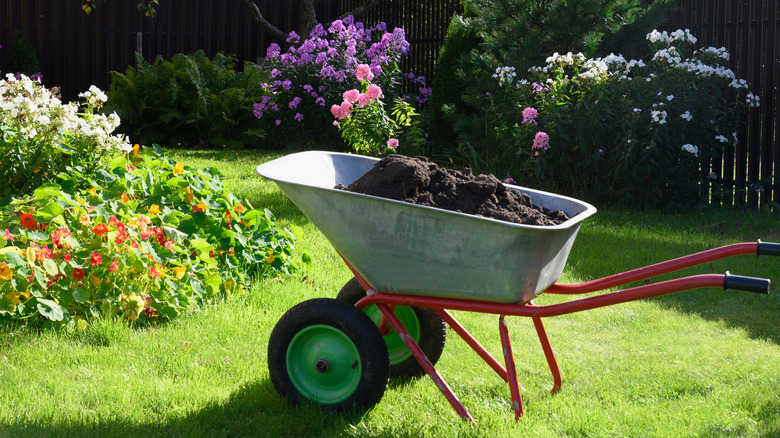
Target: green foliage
<point x="21" y="58"/>
<point x="188" y="101"/>
<point x="144" y="238"/>
<point x="40" y="136"/>
<point x="624" y="132"/>
<point x="522" y="34"/>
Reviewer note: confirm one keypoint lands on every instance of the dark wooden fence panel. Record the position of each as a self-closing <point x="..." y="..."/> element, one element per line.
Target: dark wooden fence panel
<point x="749" y="30"/>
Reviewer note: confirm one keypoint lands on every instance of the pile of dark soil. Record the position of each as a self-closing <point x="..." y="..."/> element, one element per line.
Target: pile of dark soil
<point x="419" y="181"/>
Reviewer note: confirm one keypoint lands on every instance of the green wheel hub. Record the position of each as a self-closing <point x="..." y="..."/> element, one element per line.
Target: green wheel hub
<point x="396" y="349"/>
<point x="323" y="364"/>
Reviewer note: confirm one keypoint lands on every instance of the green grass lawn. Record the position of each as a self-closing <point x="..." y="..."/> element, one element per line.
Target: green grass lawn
<point x="696" y="363"/>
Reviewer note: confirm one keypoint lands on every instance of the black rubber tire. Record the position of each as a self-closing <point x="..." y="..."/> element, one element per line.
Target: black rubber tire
<point x="350" y="326"/>
<point x="432" y="333"/>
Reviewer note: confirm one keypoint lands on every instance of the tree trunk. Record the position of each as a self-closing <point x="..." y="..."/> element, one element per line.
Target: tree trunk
<point x="307" y="17"/>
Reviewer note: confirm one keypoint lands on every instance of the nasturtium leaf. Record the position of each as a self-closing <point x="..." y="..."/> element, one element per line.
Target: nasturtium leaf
<point x="36" y="235"/>
<point x="41" y="279"/>
<point x="104" y="176"/>
<point x="50" y="310"/>
<point x="213" y="282"/>
<point x="47" y="191"/>
<point x="51" y="267"/>
<point x="80" y="295"/>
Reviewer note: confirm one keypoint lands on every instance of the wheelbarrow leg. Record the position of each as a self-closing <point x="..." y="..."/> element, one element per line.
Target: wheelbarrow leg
<point x="425" y="362"/>
<point x="509" y="358"/>
<point x="548" y="353"/>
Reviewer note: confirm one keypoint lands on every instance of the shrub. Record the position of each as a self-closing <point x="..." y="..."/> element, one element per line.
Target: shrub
<point x="21" y="58"/>
<point x="40" y="136"/>
<point x="522" y="34"/>
<point x="149" y="239"/>
<point x="188" y="101"/>
<point x="312" y="75"/>
<point x="624" y="131"/>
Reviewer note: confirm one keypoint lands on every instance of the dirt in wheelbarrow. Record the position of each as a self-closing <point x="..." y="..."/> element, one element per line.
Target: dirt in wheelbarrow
<point x="420" y="181"/>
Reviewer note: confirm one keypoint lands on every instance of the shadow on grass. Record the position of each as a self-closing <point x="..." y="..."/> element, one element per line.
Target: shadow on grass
<point x="255" y="410"/>
<point x="617" y="242"/>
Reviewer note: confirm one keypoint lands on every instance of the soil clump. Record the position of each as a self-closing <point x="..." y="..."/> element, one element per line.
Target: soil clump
<point x="420" y="181"/>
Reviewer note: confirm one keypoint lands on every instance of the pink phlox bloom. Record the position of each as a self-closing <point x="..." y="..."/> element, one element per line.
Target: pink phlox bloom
<point x="363" y="100"/>
<point x="346" y="108"/>
<point x="392" y="143"/>
<point x="374" y="92"/>
<point x="363" y="72"/>
<point x="541" y="141"/>
<point x="336" y="111"/>
<point x="351" y="96"/>
<point x="529" y="116"/>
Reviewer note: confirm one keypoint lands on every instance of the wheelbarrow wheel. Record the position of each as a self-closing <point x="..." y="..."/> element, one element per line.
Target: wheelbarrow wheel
<point x="328" y="353"/>
<point x="424" y="325"/>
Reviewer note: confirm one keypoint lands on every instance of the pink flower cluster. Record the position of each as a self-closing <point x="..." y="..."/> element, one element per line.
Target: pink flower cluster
<point x="354" y="97"/>
<point x="541" y="141"/>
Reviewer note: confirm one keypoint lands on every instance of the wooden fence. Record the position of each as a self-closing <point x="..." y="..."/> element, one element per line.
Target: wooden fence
<point x="749" y="30"/>
<point x="76" y="50"/>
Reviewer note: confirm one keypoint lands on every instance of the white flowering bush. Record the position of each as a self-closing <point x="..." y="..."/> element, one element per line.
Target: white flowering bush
<point x="638" y="132"/>
<point x="40" y="135"/>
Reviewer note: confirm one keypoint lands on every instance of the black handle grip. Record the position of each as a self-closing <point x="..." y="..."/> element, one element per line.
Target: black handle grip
<point x="768" y="248"/>
<point x="748" y="284"/>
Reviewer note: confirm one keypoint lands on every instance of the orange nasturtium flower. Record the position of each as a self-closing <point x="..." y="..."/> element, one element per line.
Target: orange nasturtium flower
<point x="100" y="229"/>
<point x="27" y="221"/>
<point x="136" y="147"/>
<point x="154" y="209"/>
<point x="239" y="208"/>
<point x="5" y="272"/>
<point x="178" y="168"/>
<point x="125" y="198"/>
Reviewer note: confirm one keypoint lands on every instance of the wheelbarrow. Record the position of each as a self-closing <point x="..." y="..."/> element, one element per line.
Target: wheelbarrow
<point x="414" y="264"/>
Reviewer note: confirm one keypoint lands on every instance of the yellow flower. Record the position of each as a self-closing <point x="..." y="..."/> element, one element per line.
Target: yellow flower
<point x="178" y="168"/>
<point x="81" y="201"/>
<point x="95" y="281"/>
<point x="202" y="206"/>
<point x="14" y="297"/>
<point x="161" y="270"/>
<point x="270" y="258"/>
<point x="180" y="271"/>
<point x="92" y="191"/>
<point x="154" y="209"/>
<point x="5" y="272"/>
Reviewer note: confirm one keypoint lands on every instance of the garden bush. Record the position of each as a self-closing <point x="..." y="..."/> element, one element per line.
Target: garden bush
<point x="312" y="75"/>
<point x="40" y="136"/>
<point x="522" y="34"/>
<point x="144" y="237"/>
<point x="188" y="101"/>
<point x="619" y="131"/>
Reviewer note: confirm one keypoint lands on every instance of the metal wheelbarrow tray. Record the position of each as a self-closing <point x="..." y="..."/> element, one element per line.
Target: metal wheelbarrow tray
<point x="407" y="256"/>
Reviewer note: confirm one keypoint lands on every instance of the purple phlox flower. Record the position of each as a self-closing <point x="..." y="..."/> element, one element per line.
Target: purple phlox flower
<point x="308" y="88"/>
<point x="320" y="101"/>
<point x="294" y="103"/>
<point x="322" y="58"/>
<point x="510" y="181"/>
<point x="272" y="51"/>
<point x="317" y="31"/>
<point x="420" y="80"/>
<point x="327" y="71"/>
<point x="381" y="26"/>
<point x="537" y="88"/>
<point x="425" y="92"/>
<point x="275" y="73"/>
<point x="322" y="44"/>
<point x="258" y="110"/>
<point x="307" y="46"/>
<point x="349" y="19"/>
<point x="341" y="75"/>
<point x="277" y="122"/>
<point x="299" y="117"/>
<point x="304" y="59"/>
<point x="336" y="26"/>
<point x="529" y="116"/>
<point x="376" y="69"/>
<point x="292" y="37"/>
<point x="286" y="84"/>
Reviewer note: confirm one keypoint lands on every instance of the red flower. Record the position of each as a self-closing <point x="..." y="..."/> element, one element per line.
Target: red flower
<point x="27" y="221"/>
<point x="100" y="229"/>
<point x="120" y="237"/>
<point x="95" y="259"/>
<point x="114" y="266"/>
<point x="78" y="274"/>
<point x="67" y="257"/>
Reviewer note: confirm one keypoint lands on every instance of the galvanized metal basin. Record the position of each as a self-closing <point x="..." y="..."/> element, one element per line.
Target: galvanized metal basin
<point x="411" y="249"/>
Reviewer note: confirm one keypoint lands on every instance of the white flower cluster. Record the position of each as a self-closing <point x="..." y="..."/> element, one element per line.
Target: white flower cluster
<point x="34" y="113"/>
<point x="691" y="149"/>
<point x="720" y="52"/>
<point x="677" y="35"/>
<point x="752" y="100"/>
<point x="658" y="116"/>
<point x="505" y="75"/>
<point x="686" y="116"/>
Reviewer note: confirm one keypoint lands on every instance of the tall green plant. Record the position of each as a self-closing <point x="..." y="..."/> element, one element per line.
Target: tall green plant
<point x="188" y="101"/>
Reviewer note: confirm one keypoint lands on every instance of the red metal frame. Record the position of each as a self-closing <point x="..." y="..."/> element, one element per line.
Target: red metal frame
<point x="386" y="303"/>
